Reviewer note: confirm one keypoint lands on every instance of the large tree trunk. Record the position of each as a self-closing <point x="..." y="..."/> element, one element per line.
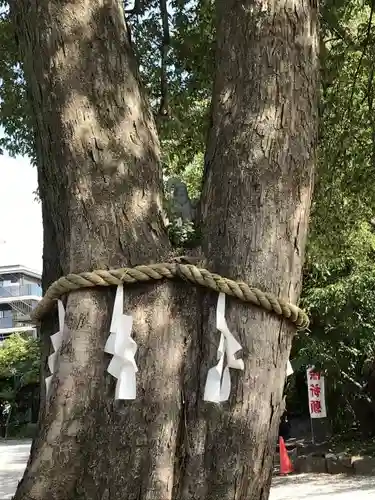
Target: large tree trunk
<point x="100" y="186"/>
<point x="255" y="211"/>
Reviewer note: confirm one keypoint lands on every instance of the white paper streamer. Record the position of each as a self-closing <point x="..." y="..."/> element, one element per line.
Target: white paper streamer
<point x="289" y="369"/>
<point x="218" y="382"/>
<point x="123" y="348"/>
<point x="56" y="340"/>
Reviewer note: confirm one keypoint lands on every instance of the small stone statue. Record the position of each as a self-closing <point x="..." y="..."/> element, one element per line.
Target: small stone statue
<point x="181" y="205"/>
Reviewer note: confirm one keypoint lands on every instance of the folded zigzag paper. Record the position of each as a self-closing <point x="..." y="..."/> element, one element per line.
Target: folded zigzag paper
<point x="56" y="340"/>
<point x="123" y="348"/>
<point x="218" y="383"/>
<point x="289" y="369"/>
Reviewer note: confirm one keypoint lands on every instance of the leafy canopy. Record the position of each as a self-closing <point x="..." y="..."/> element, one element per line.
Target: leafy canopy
<point x="20" y="359"/>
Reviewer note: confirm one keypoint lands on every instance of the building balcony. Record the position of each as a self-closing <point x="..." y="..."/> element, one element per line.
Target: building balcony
<point x="20" y="291"/>
<point x="6" y="322"/>
<point x="25" y="330"/>
<point x="17" y="320"/>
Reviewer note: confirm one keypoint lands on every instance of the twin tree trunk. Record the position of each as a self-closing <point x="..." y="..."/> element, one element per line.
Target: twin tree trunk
<point x="101" y="189"/>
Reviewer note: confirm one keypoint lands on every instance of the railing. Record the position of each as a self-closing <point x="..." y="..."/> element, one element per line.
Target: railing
<point x="22" y="316"/>
<point x="19" y="291"/>
<point x="3" y="336"/>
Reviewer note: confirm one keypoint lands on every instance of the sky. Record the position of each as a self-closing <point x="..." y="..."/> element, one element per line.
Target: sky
<point x="21" y="230"/>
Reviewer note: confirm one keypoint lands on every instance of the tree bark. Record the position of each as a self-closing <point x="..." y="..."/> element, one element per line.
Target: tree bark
<point x="255" y="208"/>
<point x="100" y="185"/>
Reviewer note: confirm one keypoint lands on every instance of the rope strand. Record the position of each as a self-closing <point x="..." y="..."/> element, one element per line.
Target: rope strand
<point x="153" y="272"/>
<point x="188" y="272"/>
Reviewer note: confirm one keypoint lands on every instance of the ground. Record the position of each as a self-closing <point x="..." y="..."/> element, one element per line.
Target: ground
<point x="14" y="455"/>
<point x="13" y="459"/>
<point x="322" y="487"/>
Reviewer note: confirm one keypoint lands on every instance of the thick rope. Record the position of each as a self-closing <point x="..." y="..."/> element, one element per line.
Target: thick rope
<point x="193" y="274"/>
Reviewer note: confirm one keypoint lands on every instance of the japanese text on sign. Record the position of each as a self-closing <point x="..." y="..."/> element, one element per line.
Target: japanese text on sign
<point x="315" y="385"/>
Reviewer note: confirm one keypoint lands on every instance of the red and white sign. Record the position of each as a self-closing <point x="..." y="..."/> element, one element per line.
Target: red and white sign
<point x="315" y="386"/>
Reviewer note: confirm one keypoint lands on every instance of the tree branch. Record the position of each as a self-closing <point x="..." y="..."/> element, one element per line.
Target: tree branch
<point x="346" y="114"/>
<point x="137" y="8"/>
<point x="361" y="387"/>
<point x="365" y="47"/>
<point x="164" y="47"/>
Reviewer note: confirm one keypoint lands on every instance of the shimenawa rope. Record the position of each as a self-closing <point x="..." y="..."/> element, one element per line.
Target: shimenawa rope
<point x="188" y="272"/>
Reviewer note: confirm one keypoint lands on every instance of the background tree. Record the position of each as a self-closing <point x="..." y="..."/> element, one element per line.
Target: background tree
<point x="19" y="375"/>
<point x="339" y="270"/>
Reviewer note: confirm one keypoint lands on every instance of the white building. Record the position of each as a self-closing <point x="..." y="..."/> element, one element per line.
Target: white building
<point x="20" y="291"/>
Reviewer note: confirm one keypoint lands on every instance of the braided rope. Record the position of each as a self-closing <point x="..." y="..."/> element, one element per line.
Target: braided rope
<point x="188" y="272"/>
